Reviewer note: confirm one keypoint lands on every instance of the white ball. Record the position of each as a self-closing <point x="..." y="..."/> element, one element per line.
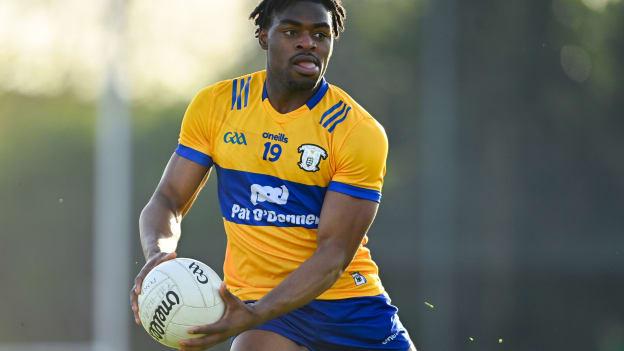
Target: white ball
<point x="176" y="295"/>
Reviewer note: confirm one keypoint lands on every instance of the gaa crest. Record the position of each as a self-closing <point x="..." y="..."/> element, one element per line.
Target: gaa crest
<point x="311" y="156"/>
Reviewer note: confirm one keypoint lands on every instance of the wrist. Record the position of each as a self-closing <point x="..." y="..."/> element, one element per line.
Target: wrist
<point x="262" y="311"/>
<point x="151" y="252"/>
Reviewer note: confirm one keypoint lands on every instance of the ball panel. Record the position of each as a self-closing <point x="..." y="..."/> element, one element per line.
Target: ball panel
<point x="174" y="337"/>
<point x="177" y="332"/>
<point x="205" y="278"/>
<point x="172" y="341"/>
<point x="193" y="316"/>
<point x="152" y="279"/>
<point x="159" y="308"/>
<point x="187" y="317"/>
<point x="191" y="296"/>
<point x="149" y="303"/>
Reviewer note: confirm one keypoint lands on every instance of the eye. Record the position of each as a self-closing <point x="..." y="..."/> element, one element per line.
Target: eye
<point x="290" y="33"/>
<point x="320" y="35"/>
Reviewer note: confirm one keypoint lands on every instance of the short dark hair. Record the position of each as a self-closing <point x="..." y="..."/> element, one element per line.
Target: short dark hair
<point x="266" y="8"/>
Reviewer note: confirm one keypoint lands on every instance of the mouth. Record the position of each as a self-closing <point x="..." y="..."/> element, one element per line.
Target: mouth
<point x="306" y="65"/>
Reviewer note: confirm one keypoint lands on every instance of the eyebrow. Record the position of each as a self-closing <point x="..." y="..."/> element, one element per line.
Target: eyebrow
<point x="287" y="21"/>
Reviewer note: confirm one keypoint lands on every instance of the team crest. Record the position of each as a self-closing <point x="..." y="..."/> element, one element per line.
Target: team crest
<point x="358" y="278"/>
<point x="311" y="156"/>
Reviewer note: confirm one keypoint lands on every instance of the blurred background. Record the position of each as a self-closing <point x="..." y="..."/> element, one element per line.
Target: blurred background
<point x="501" y="226"/>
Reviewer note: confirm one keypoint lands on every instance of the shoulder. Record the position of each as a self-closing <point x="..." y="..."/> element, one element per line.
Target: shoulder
<point x="356" y="118"/>
<point x="230" y="93"/>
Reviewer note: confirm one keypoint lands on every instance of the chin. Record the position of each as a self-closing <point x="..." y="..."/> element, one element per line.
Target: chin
<point x="303" y="83"/>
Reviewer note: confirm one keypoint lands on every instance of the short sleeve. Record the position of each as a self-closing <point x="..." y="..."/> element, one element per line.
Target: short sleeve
<point x="361" y="162"/>
<point x="194" y="143"/>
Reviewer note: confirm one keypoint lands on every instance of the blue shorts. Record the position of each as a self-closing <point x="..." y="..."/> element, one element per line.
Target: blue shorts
<point x="361" y="323"/>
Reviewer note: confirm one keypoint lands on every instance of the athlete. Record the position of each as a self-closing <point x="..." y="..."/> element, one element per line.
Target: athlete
<point x="300" y="168"/>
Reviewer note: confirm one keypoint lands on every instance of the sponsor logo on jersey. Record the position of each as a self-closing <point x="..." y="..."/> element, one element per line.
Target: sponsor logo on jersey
<point x="278" y="196"/>
<point x="234" y="138"/>
<point x="311" y="156"/>
<point x="276" y="137"/>
<point x="259" y="215"/>
<point x="270" y="194"/>
<point x="358" y="278"/>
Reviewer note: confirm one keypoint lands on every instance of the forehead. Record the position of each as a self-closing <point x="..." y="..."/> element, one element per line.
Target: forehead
<point x="304" y="12"/>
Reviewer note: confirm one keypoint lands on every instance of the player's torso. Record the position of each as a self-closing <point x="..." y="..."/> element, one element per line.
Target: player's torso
<point x="272" y="167"/>
<point x="273" y="172"/>
<point x="297" y="150"/>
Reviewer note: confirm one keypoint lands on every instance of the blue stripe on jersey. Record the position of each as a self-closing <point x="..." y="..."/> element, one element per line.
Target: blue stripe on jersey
<point x="264" y="200"/>
<point x="360" y="193"/>
<point x="332" y="109"/>
<point x="234" y="89"/>
<point x="316" y="98"/>
<point x="240" y="94"/>
<point x="265" y="94"/>
<point x="336" y="115"/>
<point x="194" y="155"/>
<point x="331" y="129"/>
<point x="247" y="90"/>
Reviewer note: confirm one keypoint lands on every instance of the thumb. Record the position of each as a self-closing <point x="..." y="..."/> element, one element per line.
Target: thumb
<point x="226" y="295"/>
<point x="170" y="256"/>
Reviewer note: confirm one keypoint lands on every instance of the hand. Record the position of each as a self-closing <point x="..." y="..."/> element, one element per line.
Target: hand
<point x="237" y="318"/>
<point x="152" y="262"/>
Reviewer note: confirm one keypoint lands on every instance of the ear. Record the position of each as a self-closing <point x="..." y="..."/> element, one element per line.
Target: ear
<point x="263" y="39"/>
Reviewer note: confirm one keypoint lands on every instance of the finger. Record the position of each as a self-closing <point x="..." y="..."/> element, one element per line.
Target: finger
<point x="220" y="326"/>
<point x="135" y="306"/>
<point x="138" y="284"/>
<point x="211" y="329"/>
<point x="138" y="281"/>
<point x="188" y="348"/>
<point x="155" y="261"/>
<point x="183" y="348"/>
<point x="197" y="348"/>
<point x="169" y="256"/>
<point x="201" y="343"/>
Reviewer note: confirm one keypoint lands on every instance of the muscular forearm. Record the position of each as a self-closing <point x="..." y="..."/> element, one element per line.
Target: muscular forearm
<point x="159" y="226"/>
<point x="303" y="285"/>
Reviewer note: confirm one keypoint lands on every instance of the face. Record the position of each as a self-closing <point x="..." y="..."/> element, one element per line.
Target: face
<point x="299" y="43"/>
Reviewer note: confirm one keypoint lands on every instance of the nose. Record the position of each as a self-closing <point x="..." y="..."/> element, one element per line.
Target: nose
<point x="306" y="42"/>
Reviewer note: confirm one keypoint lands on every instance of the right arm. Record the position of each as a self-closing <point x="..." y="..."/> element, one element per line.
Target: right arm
<point x="183" y="178"/>
<point x="159" y="223"/>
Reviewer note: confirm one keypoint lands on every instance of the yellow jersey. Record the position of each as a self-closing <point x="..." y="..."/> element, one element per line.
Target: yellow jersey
<point x="273" y="172"/>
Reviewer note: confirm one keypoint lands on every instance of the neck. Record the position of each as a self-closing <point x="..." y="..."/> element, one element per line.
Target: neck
<point x="285" y="99"/>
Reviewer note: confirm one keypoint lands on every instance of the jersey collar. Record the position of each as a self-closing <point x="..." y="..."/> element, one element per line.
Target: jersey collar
<point x="313" y="101"/>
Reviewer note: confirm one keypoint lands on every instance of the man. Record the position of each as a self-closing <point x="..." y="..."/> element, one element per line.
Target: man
<point x="300" y="167"/>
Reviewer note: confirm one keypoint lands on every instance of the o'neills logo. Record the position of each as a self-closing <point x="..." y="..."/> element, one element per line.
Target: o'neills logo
<point x="157" y="326"/>
<point x="277" y="137"/>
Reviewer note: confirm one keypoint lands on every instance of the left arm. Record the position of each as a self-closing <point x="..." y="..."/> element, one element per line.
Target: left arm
<point x="343" y="223"/>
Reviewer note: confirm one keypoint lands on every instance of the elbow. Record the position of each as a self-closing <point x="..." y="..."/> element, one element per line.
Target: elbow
<point x="162" y="201"/>
<point x="143" y="216"/>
